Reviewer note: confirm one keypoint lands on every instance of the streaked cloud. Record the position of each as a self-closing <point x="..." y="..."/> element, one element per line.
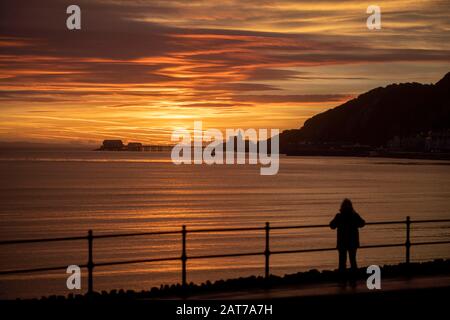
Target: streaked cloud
<point x="145" y="67"/>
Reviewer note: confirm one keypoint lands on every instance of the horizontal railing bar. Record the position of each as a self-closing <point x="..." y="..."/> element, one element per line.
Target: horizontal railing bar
<point x="302" y="250"/>
<point x="430" y="221"/>
<point x="119" y="235"/>
<point x="113" y="263"/>
<point x="300" y="226"/>
<point x="382" y="245"/>
<point x="385" y="222"/>
<point x="224" y="229"/>
<point x="226" y="255"/>
<point x="429" y="243"/>
<point x="36" y="270"/>
<point x="42" y="240"/>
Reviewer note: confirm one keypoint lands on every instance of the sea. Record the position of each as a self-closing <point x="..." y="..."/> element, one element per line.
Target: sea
<point x="65" y="193"/>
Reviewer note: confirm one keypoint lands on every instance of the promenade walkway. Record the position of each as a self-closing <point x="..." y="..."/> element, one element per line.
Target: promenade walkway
<point x="330" y="289"/>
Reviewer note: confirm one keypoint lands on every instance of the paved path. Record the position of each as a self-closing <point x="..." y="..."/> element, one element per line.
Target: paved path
<point x="329" y="289"/>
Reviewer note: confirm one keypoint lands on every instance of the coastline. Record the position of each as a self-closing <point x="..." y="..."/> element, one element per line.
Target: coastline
<point x="374" y="154"/>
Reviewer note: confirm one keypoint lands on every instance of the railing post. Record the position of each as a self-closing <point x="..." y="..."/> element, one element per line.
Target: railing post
<point x="90" y="264"/>
<point x="267" y="252"/>
<point x="408" y="241"/>
<point x="183" y="256"/>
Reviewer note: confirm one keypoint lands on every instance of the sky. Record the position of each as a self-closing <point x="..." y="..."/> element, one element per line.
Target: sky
<point x="137" y="70"/>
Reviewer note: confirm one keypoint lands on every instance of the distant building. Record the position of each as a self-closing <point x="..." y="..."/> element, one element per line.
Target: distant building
<point x="112" y="145"/>
<point x="432" y="141"/>
<point x="134" y="146"/>
<point x="413" y="143"/>
<point x="438" y="141"/>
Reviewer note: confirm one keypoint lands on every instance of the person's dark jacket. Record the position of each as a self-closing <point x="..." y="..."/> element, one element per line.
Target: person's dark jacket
<point x="347" y="229"/>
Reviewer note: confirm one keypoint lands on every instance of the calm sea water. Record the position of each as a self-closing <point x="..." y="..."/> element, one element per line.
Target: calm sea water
<point x="65" y="193"/>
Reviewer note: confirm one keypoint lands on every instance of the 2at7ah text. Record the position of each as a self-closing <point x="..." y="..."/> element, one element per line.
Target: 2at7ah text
<point x="246" y="309"/>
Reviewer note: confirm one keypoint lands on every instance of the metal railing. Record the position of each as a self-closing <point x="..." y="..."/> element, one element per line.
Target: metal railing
<point x="90" y="265"/>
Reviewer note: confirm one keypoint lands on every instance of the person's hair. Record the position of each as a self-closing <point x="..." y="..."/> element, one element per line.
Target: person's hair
<point x="347" y="206"/>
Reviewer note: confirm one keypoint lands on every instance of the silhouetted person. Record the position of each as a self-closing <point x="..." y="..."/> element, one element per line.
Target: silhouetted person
<point x="347" y="222"/>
